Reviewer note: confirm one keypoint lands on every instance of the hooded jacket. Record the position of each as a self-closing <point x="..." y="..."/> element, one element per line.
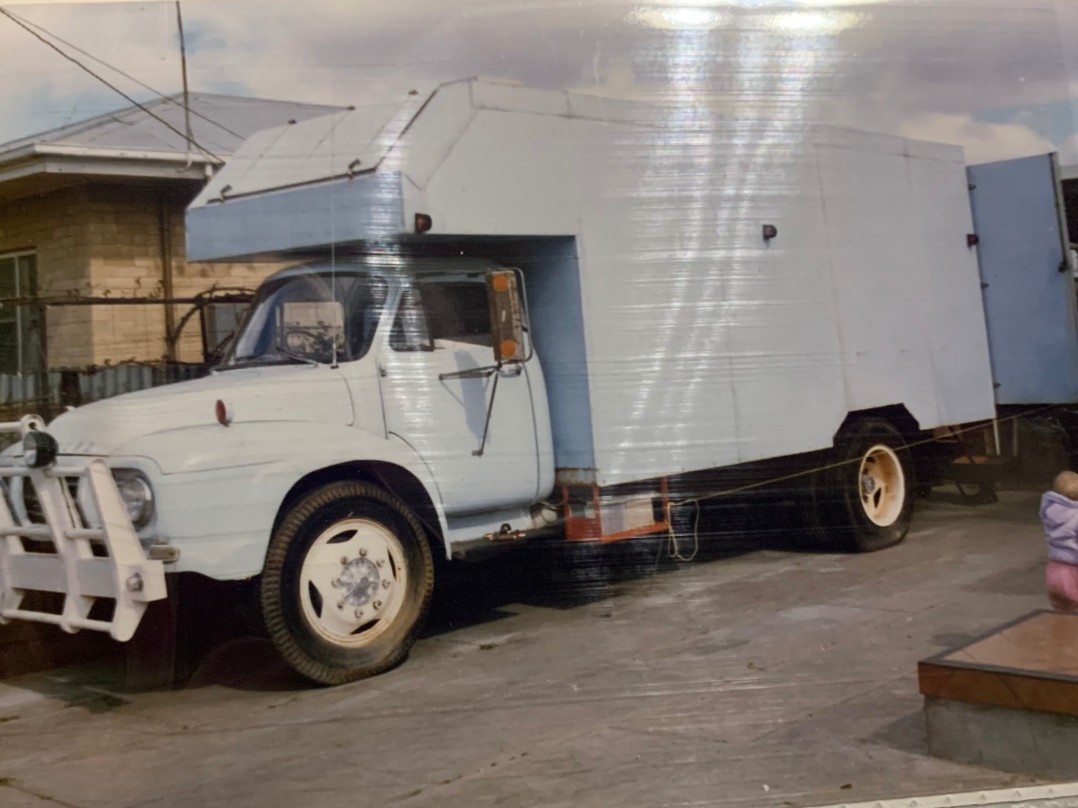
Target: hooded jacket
<point x="1060" y="518"/>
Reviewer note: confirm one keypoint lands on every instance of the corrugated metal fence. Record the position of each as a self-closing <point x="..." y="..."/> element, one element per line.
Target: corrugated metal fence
<point x="60" y="388"/>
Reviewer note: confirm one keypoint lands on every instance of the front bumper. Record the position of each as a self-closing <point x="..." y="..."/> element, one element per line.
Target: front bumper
<point x="84" y="558"/>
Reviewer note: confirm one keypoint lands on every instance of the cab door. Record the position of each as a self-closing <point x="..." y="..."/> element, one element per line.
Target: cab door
<point x="437" y="377"/>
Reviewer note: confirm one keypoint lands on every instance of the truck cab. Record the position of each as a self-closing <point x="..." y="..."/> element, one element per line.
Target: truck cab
<point x="363" y="420"/>
<point x="412" y="346"/>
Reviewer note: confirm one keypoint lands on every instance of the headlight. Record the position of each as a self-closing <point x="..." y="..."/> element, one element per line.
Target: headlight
<point x="137" y="495"/>
<point x="39" y="449"/>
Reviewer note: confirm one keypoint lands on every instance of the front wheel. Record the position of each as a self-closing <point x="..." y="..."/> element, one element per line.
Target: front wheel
<point x="347" y="582"/>
<point x="863" y="498"/>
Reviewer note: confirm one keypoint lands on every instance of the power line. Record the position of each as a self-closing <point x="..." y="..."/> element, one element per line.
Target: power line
<point x="107" y="83"/>
<point x="127" y="76"/>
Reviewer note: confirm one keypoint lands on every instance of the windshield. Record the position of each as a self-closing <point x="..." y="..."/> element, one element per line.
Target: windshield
<point x="315" y="317"/>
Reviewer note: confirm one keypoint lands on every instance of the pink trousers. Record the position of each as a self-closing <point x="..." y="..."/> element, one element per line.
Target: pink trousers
<point x="1062" y="582"/>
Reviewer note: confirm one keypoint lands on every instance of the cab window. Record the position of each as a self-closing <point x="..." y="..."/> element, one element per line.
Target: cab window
<point x="458" y="311"/>
<point x="410" y="332"/>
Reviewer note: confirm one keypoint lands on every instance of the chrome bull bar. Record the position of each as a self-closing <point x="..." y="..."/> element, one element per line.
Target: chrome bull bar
<point x="58" y="556"/>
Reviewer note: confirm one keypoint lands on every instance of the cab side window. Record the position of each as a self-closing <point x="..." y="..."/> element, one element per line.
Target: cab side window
<point x="458" y="311"/>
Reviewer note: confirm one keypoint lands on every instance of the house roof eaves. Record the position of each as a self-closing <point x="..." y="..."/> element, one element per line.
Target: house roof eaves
<point x="162" y="167"/>
<point x="34" y="150"/>
<point x="55" y="158"/>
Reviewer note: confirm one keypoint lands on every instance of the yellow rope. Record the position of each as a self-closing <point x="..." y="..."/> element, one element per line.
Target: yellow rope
<point x="673" y="544"/>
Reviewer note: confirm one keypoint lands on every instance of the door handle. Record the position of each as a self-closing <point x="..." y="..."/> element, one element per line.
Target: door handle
<point x="513" y="370"/>
<point x="382" y="371"/>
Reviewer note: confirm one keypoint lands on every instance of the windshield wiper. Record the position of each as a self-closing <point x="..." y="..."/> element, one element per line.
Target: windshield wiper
<point x="297" y="357"/>
<point x="256" y="360"/>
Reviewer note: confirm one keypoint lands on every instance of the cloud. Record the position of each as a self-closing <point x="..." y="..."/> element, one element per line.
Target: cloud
<point x="983" y="142"/>
<point x="1068" y="151"/>
<point x="42" y="90"/>
<point x="886" y="64"/>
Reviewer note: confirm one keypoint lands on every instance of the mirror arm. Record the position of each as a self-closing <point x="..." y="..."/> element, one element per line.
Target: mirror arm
<point x="471" y="373"/>
<point x="490" y="409"/>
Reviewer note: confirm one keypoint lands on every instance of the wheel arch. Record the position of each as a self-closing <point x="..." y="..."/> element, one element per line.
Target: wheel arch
<point x="395" y="479"/>
<point x="924" y="452"/>
<point x="895" y="414"/>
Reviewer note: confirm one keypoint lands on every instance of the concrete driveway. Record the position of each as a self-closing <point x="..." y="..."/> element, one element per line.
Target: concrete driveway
<point x="757" y="675"/>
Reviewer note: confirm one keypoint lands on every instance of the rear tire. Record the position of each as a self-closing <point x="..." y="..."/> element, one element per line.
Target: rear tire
<point x="863" y="500"/>
<point x="346" y="583"/>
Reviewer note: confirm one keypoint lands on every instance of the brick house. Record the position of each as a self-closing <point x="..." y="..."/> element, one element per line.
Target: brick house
<point x="96" y="208"/>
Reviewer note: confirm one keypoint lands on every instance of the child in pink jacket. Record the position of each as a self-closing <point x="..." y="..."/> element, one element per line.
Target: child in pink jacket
<point x="1059" y="513"/>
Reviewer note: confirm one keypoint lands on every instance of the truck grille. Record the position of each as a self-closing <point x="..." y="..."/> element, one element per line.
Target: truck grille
<point x="30" y="501"/>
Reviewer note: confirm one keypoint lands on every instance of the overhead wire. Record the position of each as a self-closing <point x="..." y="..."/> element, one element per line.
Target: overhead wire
<point x="126" y="75"/>
<point x="108" y="84"/>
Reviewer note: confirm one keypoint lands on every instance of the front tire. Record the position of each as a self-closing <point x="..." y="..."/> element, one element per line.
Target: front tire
<point x="863" y="499"/>
<point x="346" y="583"/>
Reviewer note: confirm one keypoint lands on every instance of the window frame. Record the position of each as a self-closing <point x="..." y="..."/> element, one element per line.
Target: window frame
<point x="21" y="321"/>
<point x="479" y="284"/>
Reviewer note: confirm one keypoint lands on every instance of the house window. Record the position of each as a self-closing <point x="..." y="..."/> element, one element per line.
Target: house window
<point x="21" y="344"/>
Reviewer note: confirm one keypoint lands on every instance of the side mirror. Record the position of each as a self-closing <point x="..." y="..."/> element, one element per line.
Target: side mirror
<point x="506" y="316"/>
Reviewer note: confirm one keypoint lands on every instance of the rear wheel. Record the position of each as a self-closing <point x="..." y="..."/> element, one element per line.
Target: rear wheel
<point x="863" y="500"/>
<point x="347" y="582"/>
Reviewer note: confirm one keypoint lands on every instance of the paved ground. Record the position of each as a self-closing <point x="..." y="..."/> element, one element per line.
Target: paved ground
<point x="755" y="676"/>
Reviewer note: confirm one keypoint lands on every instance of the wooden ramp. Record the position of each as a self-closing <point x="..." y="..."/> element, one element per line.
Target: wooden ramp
<point x="1008" y="700"/>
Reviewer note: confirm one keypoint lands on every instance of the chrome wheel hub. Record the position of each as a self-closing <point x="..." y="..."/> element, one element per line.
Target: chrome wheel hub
<point x="359" y="582"/>
<point x="868" y="485"/>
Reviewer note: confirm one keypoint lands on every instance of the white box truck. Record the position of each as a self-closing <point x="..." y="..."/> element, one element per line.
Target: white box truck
<point x="511" y="311"/>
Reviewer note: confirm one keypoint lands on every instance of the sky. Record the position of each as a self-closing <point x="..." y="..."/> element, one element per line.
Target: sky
<point x="999" y="77"/>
